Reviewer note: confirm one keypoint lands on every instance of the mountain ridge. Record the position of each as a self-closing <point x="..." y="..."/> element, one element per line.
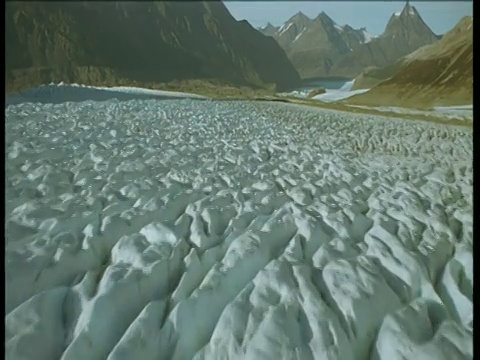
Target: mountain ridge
<point x="141" y="43"/>
<point x="331" y="50"/>
<point x="299" y="32"/>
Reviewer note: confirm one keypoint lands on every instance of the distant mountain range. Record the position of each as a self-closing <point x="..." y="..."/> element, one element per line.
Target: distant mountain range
<point x="122" y="43"/>
<point x="319" y="47"/>
<point x="440" y="74"/>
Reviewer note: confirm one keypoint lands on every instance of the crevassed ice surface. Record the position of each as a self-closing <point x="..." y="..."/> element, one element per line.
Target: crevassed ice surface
<point x="186" y="229"/>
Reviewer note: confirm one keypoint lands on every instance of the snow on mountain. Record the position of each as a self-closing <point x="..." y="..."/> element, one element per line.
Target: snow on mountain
<point x="403" y="34"/>
<point x="367" y="36"/>
<point x="284" y="28"/>
<point x="191" y="229"/>
<point x="300" y="34"/>
<point x="313" y="45"/>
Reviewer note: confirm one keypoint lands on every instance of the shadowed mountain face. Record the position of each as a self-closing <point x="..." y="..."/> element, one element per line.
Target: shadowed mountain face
<point x="320" y="47"/>
<point x="434" y="75"/>
<point x="106" y="43"/>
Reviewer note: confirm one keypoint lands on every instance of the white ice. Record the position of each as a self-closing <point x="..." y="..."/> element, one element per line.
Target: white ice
<point x="330" y="95"/>
<point x="189" y="229"/>
<point x="74" y="92"/>
<point x="341" y="94"/>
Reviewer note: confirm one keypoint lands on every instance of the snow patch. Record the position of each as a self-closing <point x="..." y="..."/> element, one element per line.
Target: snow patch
<point x="300" y="34"/>
<point x="284" y="28"/>
<point x="367" y="37"/>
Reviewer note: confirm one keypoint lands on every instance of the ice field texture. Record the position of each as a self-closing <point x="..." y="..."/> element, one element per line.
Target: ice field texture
<point x="199" y="229"/>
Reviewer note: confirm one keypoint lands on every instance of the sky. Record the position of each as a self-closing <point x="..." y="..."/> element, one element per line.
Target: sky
<point x="440" y="16"/>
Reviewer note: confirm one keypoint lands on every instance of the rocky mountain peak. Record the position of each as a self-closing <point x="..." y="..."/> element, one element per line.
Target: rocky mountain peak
<point x="300" y="16"/>
<point x="409" y="10"/>
<point x="324" y="18"/>
<point x="408" y="22"/>
<point x="300" y="20"/>
<point x="268" y="29"/>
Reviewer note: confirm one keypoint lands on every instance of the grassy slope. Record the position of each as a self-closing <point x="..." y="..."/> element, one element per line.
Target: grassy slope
<point x="344" y="107"/>
<point x="437" y="75"/>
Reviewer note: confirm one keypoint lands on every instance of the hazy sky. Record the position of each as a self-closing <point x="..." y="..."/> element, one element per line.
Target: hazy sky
<point x="440" y="16"/>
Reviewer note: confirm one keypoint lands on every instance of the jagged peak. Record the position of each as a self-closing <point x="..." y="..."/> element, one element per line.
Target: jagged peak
<point x="268" y="26"/>
<point x="323" y="15"/>
<point x="300" y="20"/>
<point x="408" y="10"/>
<point x="299" y="16"/>
<point x="399" y="22"/>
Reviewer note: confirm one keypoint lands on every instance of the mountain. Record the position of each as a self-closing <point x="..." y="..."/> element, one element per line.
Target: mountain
<point x="314" y="45"/>
<point x="440" y="74"/>
<point x="320" y="47"/>
<point x="373" y="75"/>
<point x="269" y="29"/>
<point x="405" y="32"/>
<point x="111" y="43"/>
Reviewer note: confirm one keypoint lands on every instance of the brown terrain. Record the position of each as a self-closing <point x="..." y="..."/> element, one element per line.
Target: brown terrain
<point x="374" y="75"/>
<point x="440" y="74"/>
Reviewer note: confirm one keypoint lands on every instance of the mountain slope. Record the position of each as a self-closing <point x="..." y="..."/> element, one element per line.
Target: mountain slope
<point x="405" y="32"/>
<point x="320" y="47"/>
<point x="314" y="45"/>
<point x="440" y="74"/>
<point x="269" y="29"/>
<point x="150" y="42"/>
<point x="374" y="75"/>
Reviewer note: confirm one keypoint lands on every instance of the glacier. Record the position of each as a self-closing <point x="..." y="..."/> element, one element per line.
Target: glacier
<point x="202" y="229"/>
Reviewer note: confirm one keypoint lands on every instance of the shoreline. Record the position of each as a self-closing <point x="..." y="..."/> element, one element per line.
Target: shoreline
<point x="208" y="91"/>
